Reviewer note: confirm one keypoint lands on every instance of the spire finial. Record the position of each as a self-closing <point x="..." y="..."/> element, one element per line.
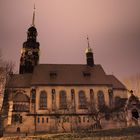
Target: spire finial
<point x="88" y="49"/>
<point x="33" y="20"/>
<point x="88" y="41"/>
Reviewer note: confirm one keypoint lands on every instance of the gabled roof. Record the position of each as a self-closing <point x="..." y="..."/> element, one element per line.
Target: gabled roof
<point x="69" y="74"/>
<point x="64" y="74"/>
<point x="116" y="83"/>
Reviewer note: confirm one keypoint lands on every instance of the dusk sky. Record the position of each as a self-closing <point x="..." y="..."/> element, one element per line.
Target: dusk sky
<point x="113" y="27"/>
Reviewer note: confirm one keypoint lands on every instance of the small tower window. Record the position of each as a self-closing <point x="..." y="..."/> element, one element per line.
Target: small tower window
<point x="86" y="74"/>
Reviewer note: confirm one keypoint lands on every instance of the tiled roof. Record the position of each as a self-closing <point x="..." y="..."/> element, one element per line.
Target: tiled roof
<point x="19" y="81"/>
<point x="64" y="74"/>
<point x="115" y="82"/>
<point x="68" y="74"/>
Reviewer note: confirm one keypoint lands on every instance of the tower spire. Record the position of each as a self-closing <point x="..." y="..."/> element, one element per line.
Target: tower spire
<point x="88" y="41"/>
<point x="33" y="20"/>
<point x="30" y="54"/>
<point x="88" y="49"/>
<point x="89" y="54"/>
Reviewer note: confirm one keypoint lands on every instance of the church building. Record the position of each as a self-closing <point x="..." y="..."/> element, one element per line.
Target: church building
<point x="57" y="98"/>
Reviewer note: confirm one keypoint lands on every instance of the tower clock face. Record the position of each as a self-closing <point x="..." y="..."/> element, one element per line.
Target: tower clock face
<point x="29" y="52"/>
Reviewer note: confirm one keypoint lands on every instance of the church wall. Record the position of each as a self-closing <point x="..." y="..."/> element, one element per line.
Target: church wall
<point x="52" y="125"/>
<point x="64" y="122"/>
<point x="53" y="121"/>
<point x="48" y="89"/>
<point x="42" y="126"/>
<point x="27" y="125"/>
<point x="120" y="93"/>
<point x="56" y="124"/>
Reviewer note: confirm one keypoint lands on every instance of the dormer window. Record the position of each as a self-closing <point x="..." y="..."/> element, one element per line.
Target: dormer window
<point x="53" y="74"/>
<point x="86" y="74"/>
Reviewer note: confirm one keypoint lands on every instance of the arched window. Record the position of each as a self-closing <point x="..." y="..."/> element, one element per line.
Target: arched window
<point x="21" y="102"/>
<point x="101" y="99"/>
<point x="82" y="100"/>
<point x="18" y="129"/>
<point x="118" y="102"/>
<point x="63" y="99"/>
<point x="43" y="100"/>
<point x="42" y="120"/>
<point x="20" y="97"/>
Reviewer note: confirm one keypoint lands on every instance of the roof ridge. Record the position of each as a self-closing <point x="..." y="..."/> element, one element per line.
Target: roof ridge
<point x="68" y="64"/>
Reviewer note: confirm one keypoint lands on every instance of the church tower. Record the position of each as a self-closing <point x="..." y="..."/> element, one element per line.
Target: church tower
<point x="30" y="51"/>
<point x="89" y="55"/>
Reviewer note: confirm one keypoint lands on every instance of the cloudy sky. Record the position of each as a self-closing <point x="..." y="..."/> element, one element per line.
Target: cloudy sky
<point x="113" y="27"/>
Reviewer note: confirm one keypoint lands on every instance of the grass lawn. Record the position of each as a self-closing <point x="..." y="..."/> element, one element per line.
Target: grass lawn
<point x="131" y="133"/>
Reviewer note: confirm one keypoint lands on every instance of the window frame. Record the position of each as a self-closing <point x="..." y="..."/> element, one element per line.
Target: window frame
<point x="62" y="99"/>
<point x="101" y="98"/>
<point x="82" y="99"/>
<point x="43" y="98"/>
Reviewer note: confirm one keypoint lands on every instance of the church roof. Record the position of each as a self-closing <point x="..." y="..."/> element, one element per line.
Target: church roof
<point x="69" y="74"/>
<point x="115" y="82"/>
<point x="19" y="80"/>
<point x="64" y="74"/>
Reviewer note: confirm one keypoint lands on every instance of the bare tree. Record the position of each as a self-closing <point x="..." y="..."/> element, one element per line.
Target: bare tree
<point x="103" y="112"/>
<point x="97" y="113"/>
<point x="65" y="115"/>
<point x="6" y="68"/>
<point x="118" y="114"/>
<point x="133" y="83"/>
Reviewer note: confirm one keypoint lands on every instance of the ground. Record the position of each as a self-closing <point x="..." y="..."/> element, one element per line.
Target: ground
<point x="131" y="133"/>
